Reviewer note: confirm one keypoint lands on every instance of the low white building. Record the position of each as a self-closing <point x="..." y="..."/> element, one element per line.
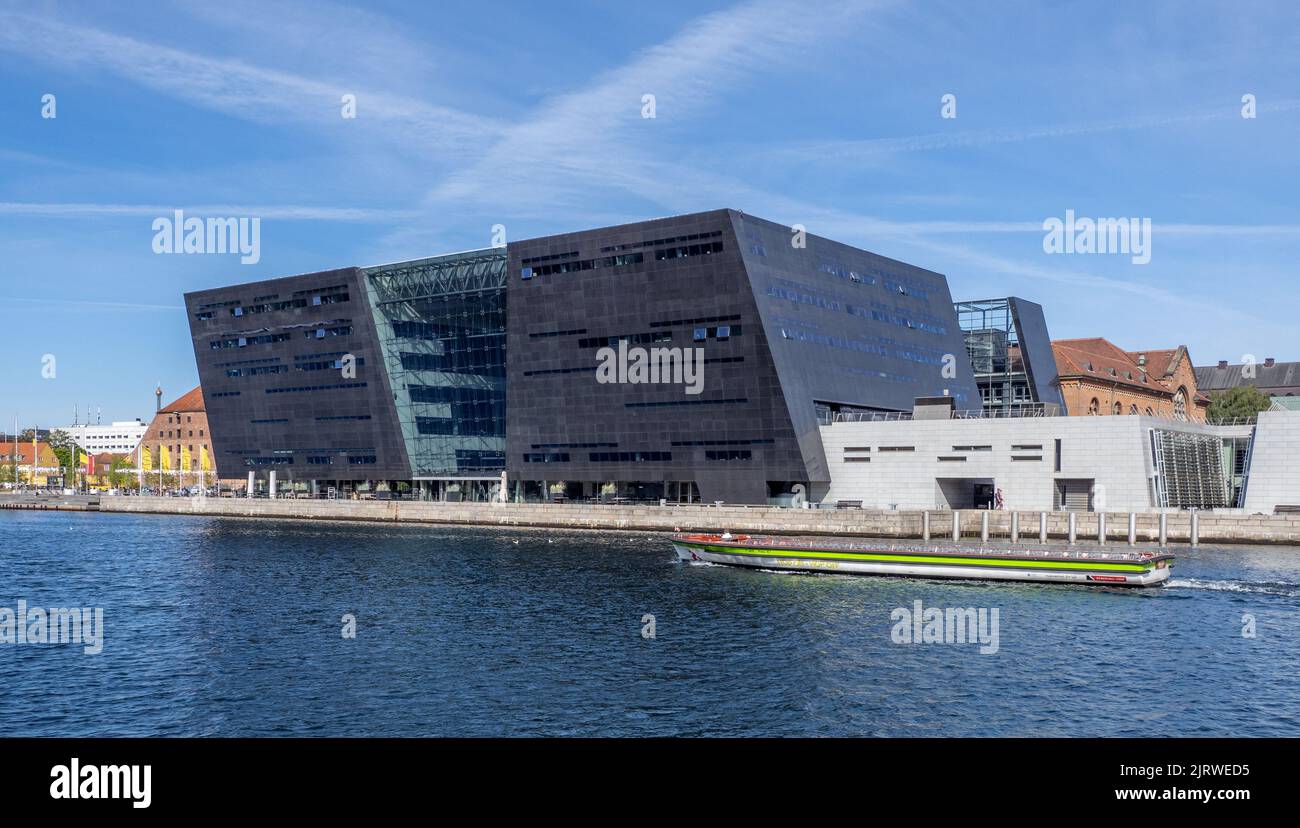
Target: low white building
<point x="1111" y="463"/>
<point x="119" y="437"/>
<point x="1273" y="469"/>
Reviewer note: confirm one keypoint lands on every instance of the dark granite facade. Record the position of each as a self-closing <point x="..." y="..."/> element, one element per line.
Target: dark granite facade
<point x="788" y="332"/>
<point x="271" y="359"/>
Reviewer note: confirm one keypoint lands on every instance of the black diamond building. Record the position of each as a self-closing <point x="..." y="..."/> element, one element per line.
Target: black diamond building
<point x="436" y="376"/>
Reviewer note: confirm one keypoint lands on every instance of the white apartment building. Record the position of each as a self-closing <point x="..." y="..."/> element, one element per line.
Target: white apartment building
<point x="118" y="437"/>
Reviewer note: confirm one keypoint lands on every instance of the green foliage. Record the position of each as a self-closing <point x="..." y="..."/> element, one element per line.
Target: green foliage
<point x="117" y="474"/>
<point x="1241" y="402"/>
<point x="66" y="455"/>
<point x="58" y="439"/>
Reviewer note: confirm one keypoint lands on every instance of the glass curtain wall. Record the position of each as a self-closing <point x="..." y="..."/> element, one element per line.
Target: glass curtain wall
<point x="993" y="345"/>
<point x="442" y="329"/>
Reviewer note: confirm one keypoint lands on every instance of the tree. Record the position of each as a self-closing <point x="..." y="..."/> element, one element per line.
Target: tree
<point x="59" y="439"/>
<point x="117" y="474"/>
<point x="1238" y="403"/>
<point x="67" y="456"/>
<point x="61" y="443"/>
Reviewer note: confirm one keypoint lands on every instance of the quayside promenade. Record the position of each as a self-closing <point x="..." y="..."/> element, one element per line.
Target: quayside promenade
<point x="1210" y="528"/>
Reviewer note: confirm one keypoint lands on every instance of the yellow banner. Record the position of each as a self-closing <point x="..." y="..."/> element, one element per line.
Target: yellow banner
<point x="165" y="458"/>
<point x="146" y="459"/>
<point x="187" y="461"/>
<point x="205" y="462"/>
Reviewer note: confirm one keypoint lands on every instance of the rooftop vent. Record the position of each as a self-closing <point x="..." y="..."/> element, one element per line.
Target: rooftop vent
<point x="1268" y="362"/>
<point x="1223" y="363"/>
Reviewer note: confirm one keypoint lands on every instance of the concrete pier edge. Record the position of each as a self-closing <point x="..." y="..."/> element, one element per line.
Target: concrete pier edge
<point x="1211" y="528"/>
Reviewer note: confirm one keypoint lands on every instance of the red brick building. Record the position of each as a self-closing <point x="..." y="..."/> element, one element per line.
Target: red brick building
<point x="1099" y="378"/>
<point x="182" y="427"/>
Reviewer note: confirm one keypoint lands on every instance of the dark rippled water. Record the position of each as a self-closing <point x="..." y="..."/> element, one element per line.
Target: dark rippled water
<point x="230" y="627"/>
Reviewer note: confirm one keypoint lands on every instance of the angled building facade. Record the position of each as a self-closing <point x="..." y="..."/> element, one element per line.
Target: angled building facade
<point x="1011" y="356"/>
<point x="273" y="361"/>
<point x="439" y="375"/>
<point x="793" y="332"/>
<point x="440" y="325"/>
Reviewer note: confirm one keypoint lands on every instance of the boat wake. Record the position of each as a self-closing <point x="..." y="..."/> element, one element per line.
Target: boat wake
<point x="1254" y="587"/>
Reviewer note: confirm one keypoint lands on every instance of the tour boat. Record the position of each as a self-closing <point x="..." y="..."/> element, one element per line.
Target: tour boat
<point x="1066" y="565"/>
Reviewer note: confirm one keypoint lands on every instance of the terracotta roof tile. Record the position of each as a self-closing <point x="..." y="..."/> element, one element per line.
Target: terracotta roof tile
<point x="1097" y="358"/>
<point x="191" y="401"/>
<point x="24" y="451"/>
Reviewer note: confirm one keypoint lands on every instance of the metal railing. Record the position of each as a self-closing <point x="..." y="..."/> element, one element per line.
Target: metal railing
<point x="1025" y="410"/>
<point x="1233" y="421"/>
<point x="1032" y="410"/>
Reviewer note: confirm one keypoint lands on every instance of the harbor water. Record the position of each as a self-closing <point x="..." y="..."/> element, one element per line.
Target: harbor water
<point x="238" y="627"/>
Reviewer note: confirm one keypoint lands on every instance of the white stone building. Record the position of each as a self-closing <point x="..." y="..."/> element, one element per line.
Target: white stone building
<point x="1111" y="463"/>
<point x="119" y="437"/>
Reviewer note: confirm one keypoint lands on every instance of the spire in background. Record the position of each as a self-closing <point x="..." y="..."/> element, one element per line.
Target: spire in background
<point x="157" y="404"/>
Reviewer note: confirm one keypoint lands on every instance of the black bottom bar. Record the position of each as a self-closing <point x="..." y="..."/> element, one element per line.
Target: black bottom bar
<point x="333" y="776"/>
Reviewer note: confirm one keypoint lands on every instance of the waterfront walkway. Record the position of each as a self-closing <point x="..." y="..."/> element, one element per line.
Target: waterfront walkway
<point x="1211" y="528"/>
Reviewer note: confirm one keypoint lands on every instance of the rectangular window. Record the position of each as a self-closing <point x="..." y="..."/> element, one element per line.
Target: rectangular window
<point x="1058" y="455"/>
<point x="729" y="454"/>
<point x="629" y="456"/>
<point x="546" y="457"/>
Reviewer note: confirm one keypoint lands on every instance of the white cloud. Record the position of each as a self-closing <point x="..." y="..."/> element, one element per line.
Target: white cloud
<point x="245" y="91"/>
<point x="840" y="153"/>
<point x="597" y="138"/>
<point x="286" y="212"/>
